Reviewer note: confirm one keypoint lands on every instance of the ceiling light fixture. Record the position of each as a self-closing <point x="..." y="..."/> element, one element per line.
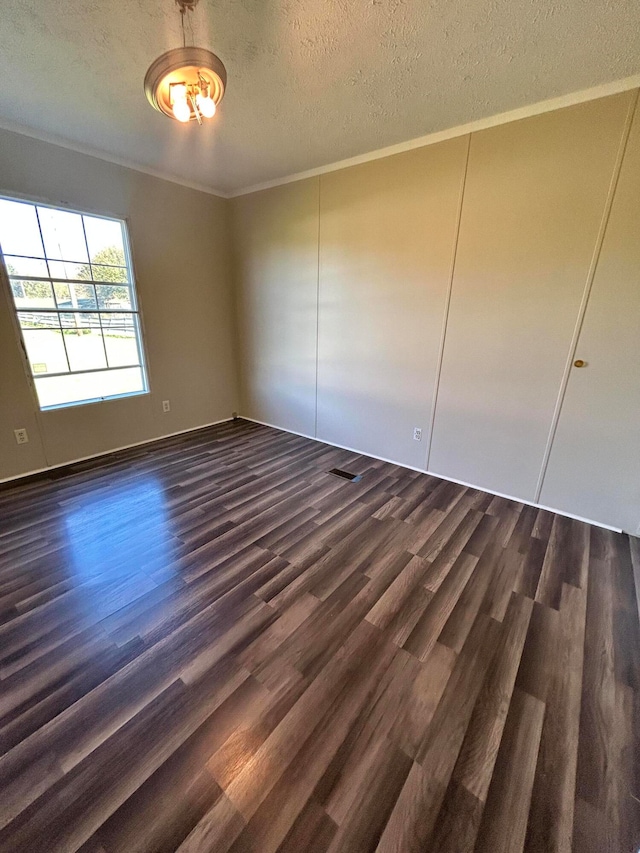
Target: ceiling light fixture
<point x="186" y="83"/>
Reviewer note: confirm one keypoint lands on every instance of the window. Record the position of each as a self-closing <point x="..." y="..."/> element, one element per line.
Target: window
<point x="74" y="295"/>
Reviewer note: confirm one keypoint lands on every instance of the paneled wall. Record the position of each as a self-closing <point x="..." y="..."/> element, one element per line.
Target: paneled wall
<point x="461" y="319"/>
<point x="534" y="199"/>
<point x="387" y="236"/>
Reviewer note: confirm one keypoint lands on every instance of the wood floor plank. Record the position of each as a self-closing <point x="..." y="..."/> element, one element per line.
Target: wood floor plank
<point x="456" y="629"/>
<point x="422" y="697"/>
<point x="476" y="762"/>
<point x="414" y="816"/>
<point x="540" y="655"/>
<point x="423" y="637"/>
<point x="211" y="643"/>
<point x="550" y="824"/>
<point x="555" y="565"/>
<point x="504" y="821"/>
<point x="265" y="767"/>
<point x="217" y="830"/>
<point x="312" y="830"/>
<point x="597" y="771"/>
<point x="391" y="601"/>
<point x="277" y="809"/>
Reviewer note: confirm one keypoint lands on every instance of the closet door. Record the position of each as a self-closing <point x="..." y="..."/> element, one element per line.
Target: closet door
<point x="533" y="204"/>
<point x="594" y="467"/>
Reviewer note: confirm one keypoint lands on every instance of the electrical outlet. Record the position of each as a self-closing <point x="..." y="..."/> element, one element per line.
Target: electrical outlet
<point x="166" y="406"/>
<point x="417" y="434"/>
<point x="21" y="435"/>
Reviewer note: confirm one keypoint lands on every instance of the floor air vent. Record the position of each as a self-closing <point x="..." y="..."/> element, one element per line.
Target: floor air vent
<point x="345" y="475"/>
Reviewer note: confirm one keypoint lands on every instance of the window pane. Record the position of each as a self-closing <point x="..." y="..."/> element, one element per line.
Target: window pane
<point x="79" y="387"/>
<point x="66" y="269"/>
<point x="79" y="320"/>
<point x="19" y="231"/>
<point x="45" y="351"/>
<point x="110" y="274"/>
<point x="63" y="235"/>
<point x="104" y="238"/>
<point x="41" y="320"/>
<point x="120" y="339"/>
<point x="75" y="295"/>
<point x="26" y="266"/>
<point x="32" y="294"/>
<point x="113" y="296"/>
<point x="85" y="348"/>
<point x="120" y="322"/>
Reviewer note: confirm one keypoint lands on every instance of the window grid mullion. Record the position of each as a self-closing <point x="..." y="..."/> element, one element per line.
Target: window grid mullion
<point x="57" y="310"/>
<point x="68" y="280"/>
<point x="44" y="251"/>
<point x="62" y="260"/>
<point x="104" y="346"/>
<point x="86" y="245"/>
<point x="136" y="332"/>
<point x="90" y="370"/>
<point x="64" y="340"/>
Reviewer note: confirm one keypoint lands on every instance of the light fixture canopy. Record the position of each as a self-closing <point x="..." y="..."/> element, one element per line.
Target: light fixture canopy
<point x="186" y="83"/>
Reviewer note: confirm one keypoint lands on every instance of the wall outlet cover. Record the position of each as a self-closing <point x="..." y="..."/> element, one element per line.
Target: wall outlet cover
<point x="21" y="436"/>
<point x="417" y="434"/>
<point x="166" y="406"/>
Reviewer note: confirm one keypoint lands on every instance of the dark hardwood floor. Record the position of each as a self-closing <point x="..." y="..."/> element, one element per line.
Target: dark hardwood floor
<point x="213" y="644"/>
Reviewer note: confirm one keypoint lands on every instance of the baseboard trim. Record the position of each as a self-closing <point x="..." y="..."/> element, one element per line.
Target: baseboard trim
<point x="435" y="474"/>
<point x="40" y="472"/>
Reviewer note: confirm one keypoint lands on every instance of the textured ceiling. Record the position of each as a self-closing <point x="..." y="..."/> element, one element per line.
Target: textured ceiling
<point x="310" y="81"/>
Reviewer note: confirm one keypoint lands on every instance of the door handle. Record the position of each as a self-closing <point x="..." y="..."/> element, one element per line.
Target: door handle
<point x="579" y="363"/>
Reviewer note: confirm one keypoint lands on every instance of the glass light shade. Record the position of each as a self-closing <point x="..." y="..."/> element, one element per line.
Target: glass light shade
<point x="190" y="67"/>
<point x="206" y="105"/>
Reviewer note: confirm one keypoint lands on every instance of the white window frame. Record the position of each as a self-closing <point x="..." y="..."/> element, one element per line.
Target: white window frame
<point x="133" y="310"/>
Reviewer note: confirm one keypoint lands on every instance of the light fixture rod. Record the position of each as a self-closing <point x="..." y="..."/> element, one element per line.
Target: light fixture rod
<point x="199" y="72"/>
<point x="195" y="107"/>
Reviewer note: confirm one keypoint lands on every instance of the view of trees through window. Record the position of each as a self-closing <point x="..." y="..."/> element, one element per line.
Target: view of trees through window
<point x="75" y="302"/>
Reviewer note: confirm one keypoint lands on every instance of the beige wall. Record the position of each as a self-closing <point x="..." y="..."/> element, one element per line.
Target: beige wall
<point x="534" y="201"/>
<point x="181" y="255"/>
<point x="276" y="271"/>
<point x="387" y="235"/>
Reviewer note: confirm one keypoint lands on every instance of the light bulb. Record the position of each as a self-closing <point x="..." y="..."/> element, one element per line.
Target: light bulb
<point x="181" y="110"/>
<point x="206" y="105"/>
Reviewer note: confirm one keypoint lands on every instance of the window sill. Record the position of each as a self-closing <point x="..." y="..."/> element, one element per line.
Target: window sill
<point x="93" y="401"/>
